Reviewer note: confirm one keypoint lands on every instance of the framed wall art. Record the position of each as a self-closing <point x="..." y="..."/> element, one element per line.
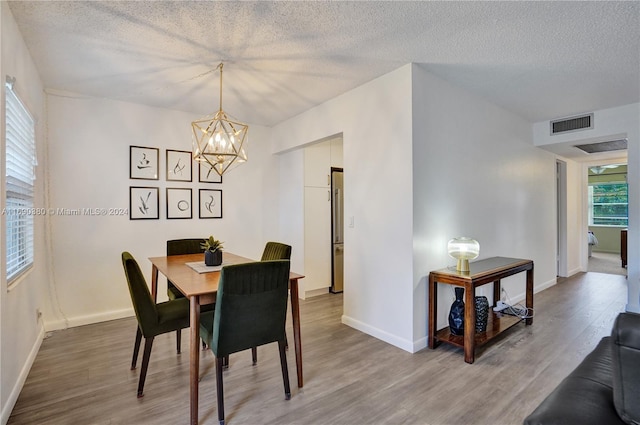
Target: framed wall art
<point x="179" y="166"/>
<point x="143" y="162"/>
<point x="144" y="203"/>
<point x="179" y="203"/>
<point x="206" y="174"/>
<point x="210" y="201"/>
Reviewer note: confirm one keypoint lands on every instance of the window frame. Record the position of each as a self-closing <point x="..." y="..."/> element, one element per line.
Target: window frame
<point x="19" y="186"/>
<point x="592" y="204"/>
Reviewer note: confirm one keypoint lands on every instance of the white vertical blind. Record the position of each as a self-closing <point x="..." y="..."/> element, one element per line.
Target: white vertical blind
<point x="20" y="163"/>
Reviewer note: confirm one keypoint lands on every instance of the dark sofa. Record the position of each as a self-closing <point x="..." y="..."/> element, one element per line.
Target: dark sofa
<point x="605" y="388"/>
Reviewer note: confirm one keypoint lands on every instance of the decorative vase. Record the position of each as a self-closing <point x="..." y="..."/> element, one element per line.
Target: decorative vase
<point x="212" y="258"/>
<point x="456" y="314"/>
<point x="482" y="313"/>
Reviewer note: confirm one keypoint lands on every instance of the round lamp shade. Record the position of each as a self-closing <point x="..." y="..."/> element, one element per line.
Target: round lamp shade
<point x="463" y="249"/>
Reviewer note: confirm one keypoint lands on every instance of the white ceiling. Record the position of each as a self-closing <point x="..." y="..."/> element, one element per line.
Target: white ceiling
<point x="542" y="60"/>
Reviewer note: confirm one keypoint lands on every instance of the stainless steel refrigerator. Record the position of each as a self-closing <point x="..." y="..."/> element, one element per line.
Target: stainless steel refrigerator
<point x="337" y="230"/>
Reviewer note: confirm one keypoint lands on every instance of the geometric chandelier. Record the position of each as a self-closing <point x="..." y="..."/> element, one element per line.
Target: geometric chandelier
<point x="219" y="141"/>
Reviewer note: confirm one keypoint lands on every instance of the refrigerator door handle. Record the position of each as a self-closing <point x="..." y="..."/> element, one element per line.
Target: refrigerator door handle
<point x="337" y="216"/>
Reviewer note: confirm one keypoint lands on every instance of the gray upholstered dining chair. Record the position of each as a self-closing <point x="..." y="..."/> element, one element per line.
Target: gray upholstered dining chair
<point x="251" y="309"/>
<point x="153" y="319"/>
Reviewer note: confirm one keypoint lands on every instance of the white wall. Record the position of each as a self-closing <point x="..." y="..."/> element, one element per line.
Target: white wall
<point x="479" y="175"/>
<point x="609" y="124"/>
<point x="20" y="332"/>
<point x="375" y="120"/>
<point x="88" y="166"/>
<point x="576" y="242"/>
<point x="476" y="173"/>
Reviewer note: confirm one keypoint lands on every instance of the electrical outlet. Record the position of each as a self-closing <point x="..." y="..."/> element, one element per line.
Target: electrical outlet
<point x="38" y="314"/>
<point x="503" y="294"/>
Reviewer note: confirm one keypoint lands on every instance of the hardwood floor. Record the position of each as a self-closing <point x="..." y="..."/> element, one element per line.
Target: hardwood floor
<point x="81" y="375"/>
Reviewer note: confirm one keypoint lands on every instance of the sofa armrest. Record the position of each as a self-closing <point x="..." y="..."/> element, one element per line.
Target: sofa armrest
<point x="626" y="370"/>
<point x="584" y="397"/>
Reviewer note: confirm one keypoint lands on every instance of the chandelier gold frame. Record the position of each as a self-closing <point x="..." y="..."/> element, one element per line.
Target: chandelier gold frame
<point x="219" y="141"/>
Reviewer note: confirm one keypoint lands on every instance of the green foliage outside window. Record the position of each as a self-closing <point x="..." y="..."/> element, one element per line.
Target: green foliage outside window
<point x="608" y="204"/>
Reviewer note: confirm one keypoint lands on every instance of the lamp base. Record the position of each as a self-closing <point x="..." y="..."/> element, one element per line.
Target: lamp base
<point x="463" y="265"/>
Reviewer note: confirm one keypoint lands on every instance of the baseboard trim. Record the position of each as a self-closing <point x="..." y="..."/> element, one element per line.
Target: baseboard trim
<point x="394" y="340"/>
<point x="315" y="293"/>
<point x="71" y="322"/>
<point x="22" y="378"/>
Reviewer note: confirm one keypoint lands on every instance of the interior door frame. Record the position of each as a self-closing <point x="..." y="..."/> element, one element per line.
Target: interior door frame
<point x="561" y="216"/>
<point x="340" y="170"/>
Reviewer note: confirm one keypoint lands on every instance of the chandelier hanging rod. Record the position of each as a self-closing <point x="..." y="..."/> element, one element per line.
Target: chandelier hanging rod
<point x="220" y="68"/>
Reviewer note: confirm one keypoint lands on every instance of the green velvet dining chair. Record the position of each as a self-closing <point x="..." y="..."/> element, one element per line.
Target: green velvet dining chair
<point x="182" y="247"/>
<point x="153" y="319"/>
<point x="251" y="310"/>
<point x="276" y="251"/>
<point x="272" y="251"/>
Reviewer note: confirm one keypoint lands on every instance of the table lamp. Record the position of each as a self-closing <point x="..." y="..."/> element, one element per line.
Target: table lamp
<point x="463" y="249"/>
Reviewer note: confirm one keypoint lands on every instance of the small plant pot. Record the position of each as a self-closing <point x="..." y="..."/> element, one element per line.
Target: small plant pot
<point x="212" y="258"/>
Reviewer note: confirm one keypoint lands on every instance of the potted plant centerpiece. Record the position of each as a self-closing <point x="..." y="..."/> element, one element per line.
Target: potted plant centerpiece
<point x="212" y="251"/>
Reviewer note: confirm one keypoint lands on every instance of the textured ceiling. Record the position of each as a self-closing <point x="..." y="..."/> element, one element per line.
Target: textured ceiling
<point x="542" y="60"/>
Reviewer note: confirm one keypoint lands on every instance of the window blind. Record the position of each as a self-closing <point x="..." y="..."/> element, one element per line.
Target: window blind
<point x="19" y="163"/>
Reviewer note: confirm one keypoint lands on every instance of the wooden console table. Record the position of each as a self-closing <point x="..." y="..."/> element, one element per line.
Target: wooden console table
<point x="480" y="273"/>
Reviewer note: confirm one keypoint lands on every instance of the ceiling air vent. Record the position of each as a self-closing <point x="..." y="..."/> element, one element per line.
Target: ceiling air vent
<point x="612" y="145"/>
<point x="564" y="125"/>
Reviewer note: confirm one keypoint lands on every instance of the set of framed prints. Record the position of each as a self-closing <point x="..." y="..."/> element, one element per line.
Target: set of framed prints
<point x="144" y="201"/>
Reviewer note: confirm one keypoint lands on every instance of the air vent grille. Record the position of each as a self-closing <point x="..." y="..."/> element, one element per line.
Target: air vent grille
<point x="582" y="122"/>
<point x="613" y="145"/>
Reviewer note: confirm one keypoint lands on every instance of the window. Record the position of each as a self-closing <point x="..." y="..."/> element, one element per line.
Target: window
<point x="608" y="204"/>
<point x="19" y="165"/>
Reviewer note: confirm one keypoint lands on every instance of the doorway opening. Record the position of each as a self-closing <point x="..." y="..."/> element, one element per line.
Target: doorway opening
<point x="608" y="215"/>
<point x="320" y="159"/>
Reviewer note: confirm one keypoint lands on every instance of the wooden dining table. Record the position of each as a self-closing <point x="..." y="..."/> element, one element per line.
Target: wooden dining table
<point x="201" y="288"/>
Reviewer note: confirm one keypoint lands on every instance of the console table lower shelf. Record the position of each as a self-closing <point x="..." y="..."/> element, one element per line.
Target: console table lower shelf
<point x="495" y="326"/>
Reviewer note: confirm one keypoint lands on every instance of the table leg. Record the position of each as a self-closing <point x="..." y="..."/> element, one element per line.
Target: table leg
<point x="194" y="359"/>
<point x="469" y="324"/>
<point x="295" y="314"/>
<point x="154" y="282"/>
<point x="433" y="311"/>
<point x="529" y="296"/>
<point x="497" y="288"/>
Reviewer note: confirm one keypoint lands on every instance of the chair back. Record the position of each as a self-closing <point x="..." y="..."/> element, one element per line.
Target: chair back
<point x="143" y="304"/>
<point x="251" y="306"/>
<point x="184" y="246"/>
<point x="276" y="251"/>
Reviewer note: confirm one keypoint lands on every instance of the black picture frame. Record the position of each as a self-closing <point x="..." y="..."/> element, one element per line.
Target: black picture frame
<point x="179" y="166"/>
<point x="210" y="203"/>
<point x="144" y="163"/>
<point x="144" y="203"/>
<point x="179" y="203"/>
<point x="206" y="174"/>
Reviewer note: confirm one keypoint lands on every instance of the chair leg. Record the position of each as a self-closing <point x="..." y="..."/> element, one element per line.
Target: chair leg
<point x="225" y="362"/>
<point x="178" y="340"/>
<point x="254" y="355"/>
<point x="148" y="343"/>
<point x="136" y="349"/>
<point x="285" y="370"/>
<point x="219" y="390"/>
